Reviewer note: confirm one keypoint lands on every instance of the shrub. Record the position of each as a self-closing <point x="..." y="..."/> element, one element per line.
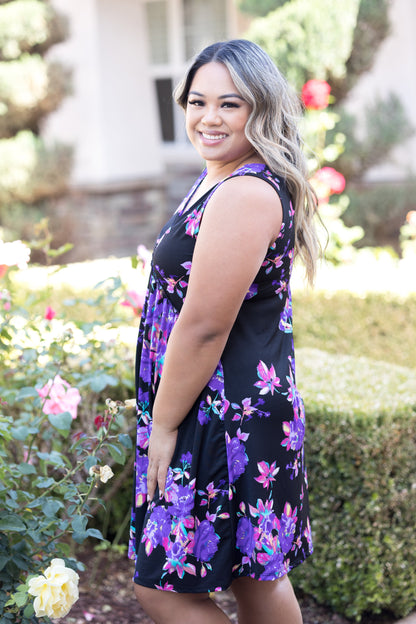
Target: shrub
<point x="361" y="455"/>
<point x="378" y="326"/>
<point x="29" y="25"/>
<point x="31" y="171"/>
<point x="59" y="436"/>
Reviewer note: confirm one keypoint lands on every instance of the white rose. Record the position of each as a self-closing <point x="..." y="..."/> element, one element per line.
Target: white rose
<point x="56" y="590"/>
<point x="105" y="473"/>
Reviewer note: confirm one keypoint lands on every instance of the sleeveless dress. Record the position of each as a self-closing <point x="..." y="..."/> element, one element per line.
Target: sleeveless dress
<point x="236" y="501"/>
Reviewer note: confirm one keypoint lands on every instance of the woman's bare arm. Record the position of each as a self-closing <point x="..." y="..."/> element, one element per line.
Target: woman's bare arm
<point x="241" y="220"/>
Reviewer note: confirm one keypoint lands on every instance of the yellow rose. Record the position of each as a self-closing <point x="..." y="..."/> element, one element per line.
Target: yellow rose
<point x="56" y="590"/>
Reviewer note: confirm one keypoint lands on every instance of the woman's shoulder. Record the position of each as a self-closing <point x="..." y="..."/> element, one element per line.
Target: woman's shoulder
<point x="257" y="179"/>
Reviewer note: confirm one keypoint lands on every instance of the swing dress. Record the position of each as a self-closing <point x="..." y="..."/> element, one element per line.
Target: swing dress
<point x="236" y="501"/>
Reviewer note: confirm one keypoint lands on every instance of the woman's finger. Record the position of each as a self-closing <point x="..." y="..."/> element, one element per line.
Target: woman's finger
<point x="151" y="480"/>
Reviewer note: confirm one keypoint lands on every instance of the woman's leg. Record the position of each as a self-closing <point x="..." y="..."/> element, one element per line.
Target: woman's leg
<point x="165" y="607"/>
<point x="268" y="602"/>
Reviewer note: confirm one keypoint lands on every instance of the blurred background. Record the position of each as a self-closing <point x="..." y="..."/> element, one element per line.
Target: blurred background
<point x="91" y="139"/>
<point x="93" y="159"/>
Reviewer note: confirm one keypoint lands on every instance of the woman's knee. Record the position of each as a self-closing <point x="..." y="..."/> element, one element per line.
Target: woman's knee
<point x="164" y="604"/>
<point x="253" y="592"/>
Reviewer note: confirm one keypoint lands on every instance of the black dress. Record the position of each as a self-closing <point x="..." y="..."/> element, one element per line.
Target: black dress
<point x="236" y="500"/>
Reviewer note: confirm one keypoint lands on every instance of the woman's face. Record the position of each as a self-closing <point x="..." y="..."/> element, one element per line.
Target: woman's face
<point x="216" y="116"/>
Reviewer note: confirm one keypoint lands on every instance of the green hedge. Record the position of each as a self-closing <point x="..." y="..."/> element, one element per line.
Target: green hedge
<point x="378" y="326"/>
<point x="361" y="456"/>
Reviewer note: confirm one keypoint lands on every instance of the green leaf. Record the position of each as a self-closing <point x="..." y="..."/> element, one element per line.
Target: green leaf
<point x="117" y="453"/>
<point x="79" y="524"/>
<point x="53" y="457"/>
<point x="3" y="560"/>
<point x="125" y="440"/>
<point x="12" y="523"/>
<point x="44" y="482"/>
<point x="95" y="533"/>
<point x="26" y="469"/>
<point x="79" y="537"/>
<point x="29" y="610"/>
<point x="99" y="382"/>
<point x="62" y="422"/>
<point x="90" y="462"/>
<point x="52" y="507"/>
<point x="27" y="393"/>
<point x="21" y="598"/>
<point x="20" y="433"/>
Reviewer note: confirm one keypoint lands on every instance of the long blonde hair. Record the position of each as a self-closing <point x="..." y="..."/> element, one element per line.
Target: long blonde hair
<point x="272" y="129"/>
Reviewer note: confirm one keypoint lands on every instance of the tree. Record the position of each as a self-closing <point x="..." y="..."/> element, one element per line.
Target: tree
<point x="337" y="41"/>
<point x="308" y="38"/>
<point x="30" y="88"/>
<point x="259" y="7"/>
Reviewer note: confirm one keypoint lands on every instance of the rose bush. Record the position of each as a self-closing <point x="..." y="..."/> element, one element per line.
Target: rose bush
<point x="336" y="239"/>
<point x="55" y="427"/>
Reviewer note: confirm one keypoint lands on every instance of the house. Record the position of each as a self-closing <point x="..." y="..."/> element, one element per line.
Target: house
<point x="132" y="160"/>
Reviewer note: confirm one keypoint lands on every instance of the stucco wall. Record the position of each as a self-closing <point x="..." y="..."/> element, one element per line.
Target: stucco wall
<point x="394" y="70"/>
<point x="111" y="117"/>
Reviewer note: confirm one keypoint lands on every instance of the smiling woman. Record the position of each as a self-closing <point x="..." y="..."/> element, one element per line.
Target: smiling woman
<point x="216" y="118"/>
<point x="220" y="496"/>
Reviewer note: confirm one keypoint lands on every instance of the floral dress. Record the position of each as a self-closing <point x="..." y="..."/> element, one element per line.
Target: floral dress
<point x="236" y="500"/>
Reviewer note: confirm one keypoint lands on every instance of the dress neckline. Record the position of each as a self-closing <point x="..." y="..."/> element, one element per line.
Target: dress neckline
<point x="253" y="167"/>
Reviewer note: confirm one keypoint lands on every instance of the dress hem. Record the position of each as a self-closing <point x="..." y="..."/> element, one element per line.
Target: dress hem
<point x="227" y="587"/>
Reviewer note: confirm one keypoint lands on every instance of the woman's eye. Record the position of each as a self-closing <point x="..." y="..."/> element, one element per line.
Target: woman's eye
<point x="195" y="102"/>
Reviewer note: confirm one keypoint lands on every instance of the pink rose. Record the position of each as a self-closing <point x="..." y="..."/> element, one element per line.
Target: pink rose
<point x="49" y="313"/>
<point x="144" y="255"/>
<point x="134" y="300"/>
<point x="315" y="94"/>
<point x="326" y="182"/>
<point x="59" y="397"/>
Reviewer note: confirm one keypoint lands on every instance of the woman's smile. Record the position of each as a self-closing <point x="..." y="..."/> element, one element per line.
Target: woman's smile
<point x="216" y="116"/>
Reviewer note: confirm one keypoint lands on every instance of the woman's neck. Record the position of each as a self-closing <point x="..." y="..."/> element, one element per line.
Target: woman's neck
<point x="218" y="171"/>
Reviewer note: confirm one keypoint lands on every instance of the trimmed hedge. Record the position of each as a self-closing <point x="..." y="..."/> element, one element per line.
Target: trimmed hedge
<point x="361" y="457"/>
<point x="378" y="326"/>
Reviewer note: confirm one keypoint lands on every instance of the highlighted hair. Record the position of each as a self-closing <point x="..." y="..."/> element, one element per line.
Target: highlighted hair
<point x="272" y="129"/>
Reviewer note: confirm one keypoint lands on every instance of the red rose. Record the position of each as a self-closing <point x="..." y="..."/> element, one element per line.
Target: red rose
<point x="315" y="94"/>
<point x="327" y="181"/>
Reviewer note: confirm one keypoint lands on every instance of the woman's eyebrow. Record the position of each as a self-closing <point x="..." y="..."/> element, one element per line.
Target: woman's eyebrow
<point x="220" y="97"/>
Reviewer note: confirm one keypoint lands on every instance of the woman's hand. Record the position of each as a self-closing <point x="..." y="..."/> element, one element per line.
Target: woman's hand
<point x="161" y="448"/>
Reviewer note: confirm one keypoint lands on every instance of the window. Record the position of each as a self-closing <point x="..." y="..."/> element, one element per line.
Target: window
<point x="178" y="29"/>
<point x="157" y="28"/>
<point x="204" y="23"/>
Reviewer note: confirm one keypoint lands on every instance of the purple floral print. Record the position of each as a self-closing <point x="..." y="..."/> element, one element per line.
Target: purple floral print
<point x="183" y="501"/>
<point x="237" y="458"/>
<point x="205" y="541"/>
<point x="273" y="568"/>
<point x="235" y="502"/>
<point x="245" y="536"/>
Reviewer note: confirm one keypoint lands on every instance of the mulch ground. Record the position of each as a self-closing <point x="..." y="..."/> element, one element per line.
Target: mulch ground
<point x="106" y="597"/>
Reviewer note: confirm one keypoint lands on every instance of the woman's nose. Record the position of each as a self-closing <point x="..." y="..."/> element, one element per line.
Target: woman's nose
<point x="211" y="116"/>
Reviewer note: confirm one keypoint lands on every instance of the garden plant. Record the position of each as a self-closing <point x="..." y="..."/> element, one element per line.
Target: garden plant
<point x="60" y="438"/>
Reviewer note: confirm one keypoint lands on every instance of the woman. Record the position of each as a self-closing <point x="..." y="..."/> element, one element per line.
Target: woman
<point x="220" y="492"/>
